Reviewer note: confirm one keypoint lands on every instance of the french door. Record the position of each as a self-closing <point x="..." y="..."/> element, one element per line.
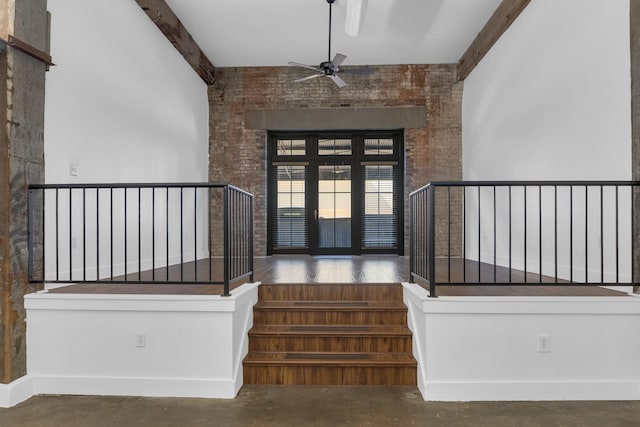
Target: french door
<point x="335" y="193"/>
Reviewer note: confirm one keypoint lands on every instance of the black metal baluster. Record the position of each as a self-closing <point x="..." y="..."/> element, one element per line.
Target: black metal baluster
<point x="84" y="235"/>
<point x="209" y="237"/>
<point x="510" y="250"/>
<point x="449" y="233"/>
<point x="617" y="235"/>
<point x="571" y="233"/>
<point x="195" y="234"/>
<point x="524" y="187"/>
<point x="432" y="241"/>
<point x="555" y="232"/>
<point x="57" y="238"/>
<point x="586" y="234"/>
<point x="70" y="235"/>
<point x="166" y="233"/>
<point x="479" y="241"/>
<point x="464" y="233"/>
<point x="97" y="234"/>
<point x="495" y="241"/>
<point x="111" y="230"/>
<point x="601" y="235"/>
<point x="153" y="234"/>
<point x="181" y="236"/>
<point x="540" y="232"/>
<point x="126" y="248"/>
<point x="139" y="234"/>
<point x="226" y="239"/>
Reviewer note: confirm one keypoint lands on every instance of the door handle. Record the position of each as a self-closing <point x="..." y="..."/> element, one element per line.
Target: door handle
<point x="315" y="214"/>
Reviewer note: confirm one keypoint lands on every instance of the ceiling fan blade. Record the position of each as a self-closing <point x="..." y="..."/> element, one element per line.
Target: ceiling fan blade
<point x="297" y="64"/>
<point x="362" y="71"/>
<point x="337" y="80"/>
<point x="308" y="78"/>
<point x="338" y="59"/>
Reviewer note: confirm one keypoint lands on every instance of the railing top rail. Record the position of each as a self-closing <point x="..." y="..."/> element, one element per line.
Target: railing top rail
<point x="136" y="185"/>
<point x="240" y="190"/>
<point x="544" y="183"/>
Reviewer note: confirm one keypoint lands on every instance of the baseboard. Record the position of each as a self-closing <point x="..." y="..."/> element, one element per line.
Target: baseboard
<point x="131" y="386"/>
<point x="531" y="391"/>
<point x="16" y="392"/>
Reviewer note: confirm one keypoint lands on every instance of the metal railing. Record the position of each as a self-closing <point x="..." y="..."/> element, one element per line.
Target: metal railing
<point x="171" y="233"/>
<point x="523" y="232"/>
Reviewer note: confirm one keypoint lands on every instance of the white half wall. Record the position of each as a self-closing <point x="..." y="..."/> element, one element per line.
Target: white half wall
<point x="525" y="348"/>
<point x="138" y="345"/>
<point x="552" y="101"/>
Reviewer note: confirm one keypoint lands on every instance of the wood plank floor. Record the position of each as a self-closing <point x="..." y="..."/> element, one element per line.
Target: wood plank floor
<point x="346" y="269"/>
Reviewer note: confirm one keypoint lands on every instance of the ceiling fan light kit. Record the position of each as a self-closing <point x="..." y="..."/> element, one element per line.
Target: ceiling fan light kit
<point x="329" y="68"/>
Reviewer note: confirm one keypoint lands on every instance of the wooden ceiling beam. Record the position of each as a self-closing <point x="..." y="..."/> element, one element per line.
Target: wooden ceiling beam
<point x="502" y="18"/>
<point x="167" y="21"/>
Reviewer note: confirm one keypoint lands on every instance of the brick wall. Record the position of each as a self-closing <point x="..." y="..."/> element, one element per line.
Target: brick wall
<point x="238" y="153"/>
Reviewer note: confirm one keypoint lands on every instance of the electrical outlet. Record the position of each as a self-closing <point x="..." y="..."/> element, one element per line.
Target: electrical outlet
<point x="544" y="343"/>
<point x="141" y="339"/>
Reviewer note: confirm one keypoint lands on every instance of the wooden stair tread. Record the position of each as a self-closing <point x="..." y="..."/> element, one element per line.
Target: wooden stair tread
<point x="337" y="359"/>
<point x="331" y="305"/>
<point x="331" y="330"/>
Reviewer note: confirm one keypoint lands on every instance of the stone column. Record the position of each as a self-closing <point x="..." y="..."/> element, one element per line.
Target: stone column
<point x="22" y="85"/>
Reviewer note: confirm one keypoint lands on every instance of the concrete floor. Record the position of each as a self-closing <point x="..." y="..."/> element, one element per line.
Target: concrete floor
<point x="312" y="406"/>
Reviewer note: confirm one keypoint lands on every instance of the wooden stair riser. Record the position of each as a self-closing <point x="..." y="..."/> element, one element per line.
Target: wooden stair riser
<point x="327" y="375"/>
<point x="318" y="292"/>
<point x="305" y="317"/>
<point x="335" y="343"/>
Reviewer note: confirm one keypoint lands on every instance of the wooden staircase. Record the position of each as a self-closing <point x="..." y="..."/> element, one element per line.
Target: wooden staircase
<point x="325" y="334"/>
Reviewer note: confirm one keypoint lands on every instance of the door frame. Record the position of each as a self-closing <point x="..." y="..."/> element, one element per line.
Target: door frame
<point x="356" y="160"/>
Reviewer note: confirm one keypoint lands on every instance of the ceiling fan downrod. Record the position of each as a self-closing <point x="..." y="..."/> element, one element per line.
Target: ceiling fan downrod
<point x="330" y="5"/>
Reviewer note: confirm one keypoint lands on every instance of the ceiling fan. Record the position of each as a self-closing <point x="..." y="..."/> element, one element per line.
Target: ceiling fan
<point x="329" y="68"/>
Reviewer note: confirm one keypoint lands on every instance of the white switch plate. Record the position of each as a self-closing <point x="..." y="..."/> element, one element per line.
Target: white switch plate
<point x="544" y="343"/>
<point x="73" y="169"/>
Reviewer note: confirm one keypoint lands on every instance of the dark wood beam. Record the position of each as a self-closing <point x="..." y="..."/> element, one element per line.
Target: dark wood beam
<point x="502" y="18"/>
<point x="167" y="21"/>
<point x="634" y="22"/>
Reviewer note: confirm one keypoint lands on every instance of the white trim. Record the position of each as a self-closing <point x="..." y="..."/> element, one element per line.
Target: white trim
<point x="533" y="391"/>
<point x="16" y="392"/>
<point x="132" y="386"/>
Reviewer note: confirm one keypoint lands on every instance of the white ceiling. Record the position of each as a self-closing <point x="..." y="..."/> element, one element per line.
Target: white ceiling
<point x="237" y="33"/>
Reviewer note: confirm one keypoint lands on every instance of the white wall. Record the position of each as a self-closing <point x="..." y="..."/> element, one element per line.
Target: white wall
<point x="551" y="101"/>
<point x="122" y="105"/>
<point x="121" y="102"/>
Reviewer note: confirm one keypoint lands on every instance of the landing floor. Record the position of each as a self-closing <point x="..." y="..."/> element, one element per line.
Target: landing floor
<point x="359" y="269"/>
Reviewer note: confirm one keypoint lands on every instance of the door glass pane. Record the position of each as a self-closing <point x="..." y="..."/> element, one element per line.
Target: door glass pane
<point x="334" y="206"/>
<point x="379" y="229"/>
<point x="291" y="217"/>
<point x="334" y="147"/>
